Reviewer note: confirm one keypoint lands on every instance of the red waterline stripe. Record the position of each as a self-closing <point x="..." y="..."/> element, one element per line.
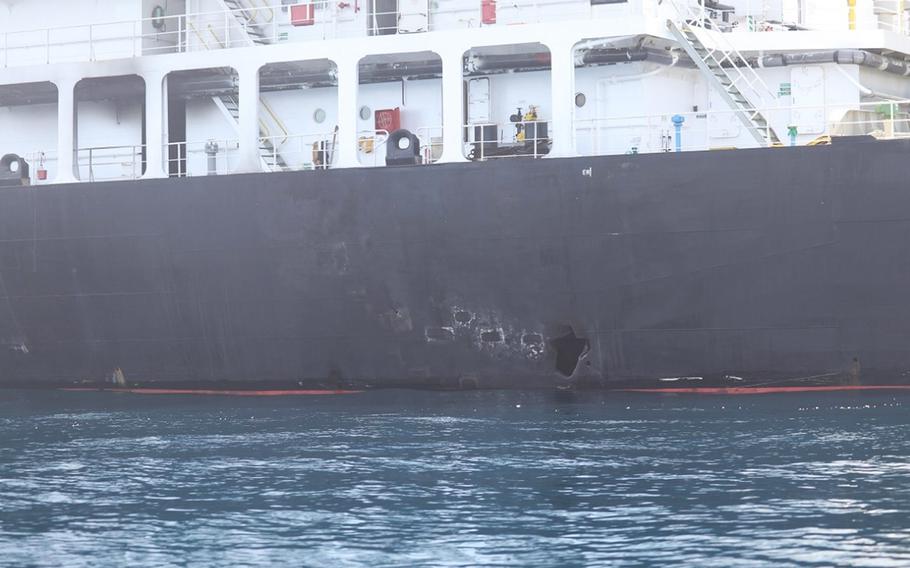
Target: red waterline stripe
<point x="768" y="390"/>
<point x="209" y="392"/>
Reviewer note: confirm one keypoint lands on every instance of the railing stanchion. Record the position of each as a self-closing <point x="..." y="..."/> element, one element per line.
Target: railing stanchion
<point x="227" y="29"/>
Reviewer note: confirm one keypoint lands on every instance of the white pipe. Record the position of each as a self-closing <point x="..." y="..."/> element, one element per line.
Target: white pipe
<point x="864" y="89"/>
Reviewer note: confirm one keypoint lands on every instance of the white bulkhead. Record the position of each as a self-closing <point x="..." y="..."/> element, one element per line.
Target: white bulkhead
<point x="95" y="90"/>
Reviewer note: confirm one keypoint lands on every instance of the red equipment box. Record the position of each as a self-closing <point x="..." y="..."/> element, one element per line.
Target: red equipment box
<point x="388" y="119"/>
<point x="303" y="15"/>
<point x="488" y="11"/>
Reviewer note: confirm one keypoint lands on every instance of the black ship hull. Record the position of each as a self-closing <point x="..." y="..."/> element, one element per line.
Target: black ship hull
<point x="757" y="268"/>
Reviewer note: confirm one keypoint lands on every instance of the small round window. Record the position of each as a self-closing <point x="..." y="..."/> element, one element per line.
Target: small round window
<point x="580" y="100"/>
<point x="365" y="113"/>
<point x="319" y="116"/>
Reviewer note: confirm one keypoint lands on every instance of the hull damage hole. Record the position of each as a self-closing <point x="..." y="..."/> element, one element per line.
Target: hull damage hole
<point x="569" y="349"/>
<point x="532" y="339"/>
<point x="463" y="317"/>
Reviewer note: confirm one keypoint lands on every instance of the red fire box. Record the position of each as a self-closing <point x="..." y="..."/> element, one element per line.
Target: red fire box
<point x="388" y="119"/>
<point x="488" y="11"/>
<point x="303" y="15"/>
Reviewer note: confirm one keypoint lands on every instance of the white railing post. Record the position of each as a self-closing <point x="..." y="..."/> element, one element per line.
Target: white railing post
<point x="183" y="36"/>
<point x="154" y="125"/>
<point x="562" y="91"/>
<point x="227" y="28"/>
<point x="452" y="106"/>
<point x="249" y="159"/>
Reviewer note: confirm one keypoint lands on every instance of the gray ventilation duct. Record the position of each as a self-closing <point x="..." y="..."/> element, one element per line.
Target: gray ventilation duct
<point x="840" y="56"/>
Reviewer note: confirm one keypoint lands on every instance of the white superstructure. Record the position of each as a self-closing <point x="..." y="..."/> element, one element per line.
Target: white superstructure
<point x="113" y="89"/>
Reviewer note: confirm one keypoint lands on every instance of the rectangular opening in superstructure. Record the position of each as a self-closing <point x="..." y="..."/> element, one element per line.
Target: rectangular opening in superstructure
<point x="203" y="117"/>
<point x="298" y="115"/>
<point x="30" y="111"/>
<point x="399" y="109"/>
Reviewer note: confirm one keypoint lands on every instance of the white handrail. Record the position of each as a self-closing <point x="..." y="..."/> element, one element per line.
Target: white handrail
<point x="428" y="148"/>
<point x="655" y="133"/>
<point x="105" y="158"/>
<point x="697" y="20"/>
<point x="303" y="151"/>
<point x="518" y="146"/>
<point x="175" y="30"/>
<point x="370" y="137"/>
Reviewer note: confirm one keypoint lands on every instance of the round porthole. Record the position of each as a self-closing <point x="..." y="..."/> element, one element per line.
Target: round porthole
<point x="404" y="143"/>
<point x="580" y="100"/>
<point x="365" y="113"/>
<point x="319" y="116"/>
<point x="14" y="166"/>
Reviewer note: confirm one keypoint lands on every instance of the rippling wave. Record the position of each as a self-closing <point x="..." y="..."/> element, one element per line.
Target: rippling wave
<point x="454" y="479"/>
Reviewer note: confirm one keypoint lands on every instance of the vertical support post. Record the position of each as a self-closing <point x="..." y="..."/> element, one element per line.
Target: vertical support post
<point x="227" y="29"/>
<point x="66" y="130"/>
<point x="901" y="18"/>
<point x="851" y="14"/>
<point x="348" y="86"/>
<point x="154" y="125"/>
<point x="452" y="106"/>
<point x="562" y="91"/>
<point x="249" y="159"/>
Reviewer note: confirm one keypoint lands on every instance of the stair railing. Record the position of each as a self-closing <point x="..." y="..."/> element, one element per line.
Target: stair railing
<point x="248" y="17"/>
<point x="719" y="51"/>
<point x="270" y="12"/>
<point x="697" y="17"/>
<point x="278" y="122"/>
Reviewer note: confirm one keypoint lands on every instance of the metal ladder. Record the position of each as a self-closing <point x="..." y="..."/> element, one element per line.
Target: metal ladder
<point x="268" y="153"/>
<point x="726" y="70"/>
<point x="249" y="19"/>
<point x="228" y="103"/>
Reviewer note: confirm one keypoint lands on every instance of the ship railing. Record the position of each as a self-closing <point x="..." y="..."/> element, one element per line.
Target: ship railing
<point x="491" y="140"/>
<point x="108" y="163"/>
<point x="715" y="130"/>
<point x="772" y="15"/>
<point x="295" y="152"/>
<point x="42" y="166"/>
<point x="66" y="44"/>
<point x="205" y="30"/>
<point x="202" y="157"/>
<point x="131" y="38"/>
<point x="371" y="147"/>
<point x="431" y="141"/>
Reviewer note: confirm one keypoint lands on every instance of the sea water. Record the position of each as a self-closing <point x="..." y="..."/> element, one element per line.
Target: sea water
<point x="401" y="478"/>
